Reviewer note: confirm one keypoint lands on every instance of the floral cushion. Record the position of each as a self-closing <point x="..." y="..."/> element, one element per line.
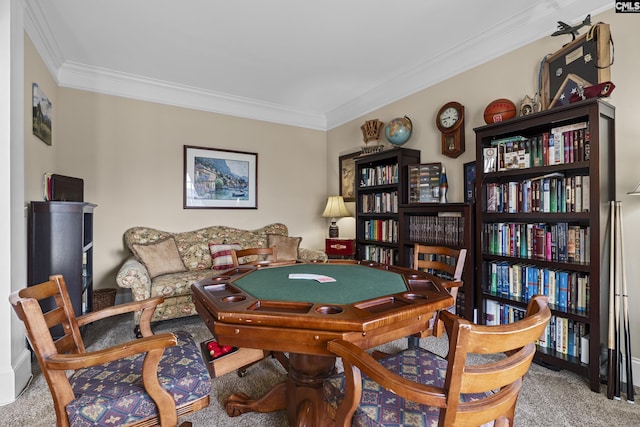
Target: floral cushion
<point x="381" y="407"/>
<point x="113" y="393"/>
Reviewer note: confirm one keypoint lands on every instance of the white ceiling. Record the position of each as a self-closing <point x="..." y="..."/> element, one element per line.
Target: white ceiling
<point x="312" y="64"/>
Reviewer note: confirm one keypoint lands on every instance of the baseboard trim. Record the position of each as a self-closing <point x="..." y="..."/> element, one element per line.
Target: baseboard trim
<point x="18" y="376"/>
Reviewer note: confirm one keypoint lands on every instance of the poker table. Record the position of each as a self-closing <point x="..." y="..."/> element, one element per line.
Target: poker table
<point x="298" y="308"/>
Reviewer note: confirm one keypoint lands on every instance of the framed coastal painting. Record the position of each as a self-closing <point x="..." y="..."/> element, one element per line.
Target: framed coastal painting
<point x="220" y="179"/>
<point x="347" y="166"/>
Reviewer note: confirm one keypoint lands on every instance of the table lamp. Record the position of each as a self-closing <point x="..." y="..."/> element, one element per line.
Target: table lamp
<point x="335" y="209"/>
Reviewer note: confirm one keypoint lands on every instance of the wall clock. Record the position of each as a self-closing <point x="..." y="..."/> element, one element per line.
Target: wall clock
<point x="450" y="122"/>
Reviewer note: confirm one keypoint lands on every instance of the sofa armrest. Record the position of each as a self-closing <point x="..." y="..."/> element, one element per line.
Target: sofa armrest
<point x="309" y="255"/>
<point x="134" y="275"/>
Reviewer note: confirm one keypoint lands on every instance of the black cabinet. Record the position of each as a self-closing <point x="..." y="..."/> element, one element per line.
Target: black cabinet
<point x="60" y="241"/>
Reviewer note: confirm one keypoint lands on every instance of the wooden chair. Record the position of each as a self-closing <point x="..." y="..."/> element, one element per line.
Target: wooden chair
<point x="415" y="381"/>
<point x="443" y="262"/>
<point x="263" y="255"/>
<point x="88" y="396"/>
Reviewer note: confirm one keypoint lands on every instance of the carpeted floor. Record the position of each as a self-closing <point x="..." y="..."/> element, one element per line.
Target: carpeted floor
<point x="548" y="398"/>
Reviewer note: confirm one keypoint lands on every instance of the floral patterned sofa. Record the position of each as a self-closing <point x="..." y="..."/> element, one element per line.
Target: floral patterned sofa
<point x="160" y="267"/>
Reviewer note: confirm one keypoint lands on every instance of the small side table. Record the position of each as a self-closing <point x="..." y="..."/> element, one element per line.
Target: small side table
<point x="340" y="248"/>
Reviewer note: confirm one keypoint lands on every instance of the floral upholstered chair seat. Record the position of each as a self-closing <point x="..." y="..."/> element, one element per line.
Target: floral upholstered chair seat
<point x="380" y="407"/>
<point x="113" y="393"/>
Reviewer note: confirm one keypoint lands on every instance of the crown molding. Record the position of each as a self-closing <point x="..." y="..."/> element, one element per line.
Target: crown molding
<point x="455" y="60"/>
<point x="79" y="76"/>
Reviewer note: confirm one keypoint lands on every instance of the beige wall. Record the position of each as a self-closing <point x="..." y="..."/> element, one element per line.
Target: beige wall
<point x="130" y="155"/>
<point x="39" y="157"/>
<point x="130" y="152"/>
<point x="512" y="76"/>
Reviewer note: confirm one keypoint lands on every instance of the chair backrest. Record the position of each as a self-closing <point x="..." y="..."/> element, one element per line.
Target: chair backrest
<point x="60" y="316"/>
<point x="260" y="255"/>
<point x="441" y="261"/>
<point x="516" y="340"/>
<point x="499" y="378"/>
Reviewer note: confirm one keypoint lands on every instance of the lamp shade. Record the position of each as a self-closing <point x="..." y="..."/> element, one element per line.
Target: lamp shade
<point x="335" y="208"/>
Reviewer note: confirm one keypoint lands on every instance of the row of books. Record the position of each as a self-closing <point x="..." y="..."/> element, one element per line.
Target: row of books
<point x="379" y="202"/>
<point x="381" y="230"/>
<point x="379" y="254"/>
<point x="566" y="290"/>
<point x="561" y="145"/>
<point x="379" y="175"/>
<point x="559" y="242"/>
<point x="565" y="336"/>
<point x="549" y="193"/>
<point x="447" y="230"/>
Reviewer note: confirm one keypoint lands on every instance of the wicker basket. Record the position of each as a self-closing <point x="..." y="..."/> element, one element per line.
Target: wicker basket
<point x="103" y="298"/>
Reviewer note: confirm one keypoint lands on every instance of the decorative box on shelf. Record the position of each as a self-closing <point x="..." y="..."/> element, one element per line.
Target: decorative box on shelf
<point x="424" y="183"/>
<point x="340" y="248"/>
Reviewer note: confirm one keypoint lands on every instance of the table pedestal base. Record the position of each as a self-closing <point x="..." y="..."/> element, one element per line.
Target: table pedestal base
<point x="301" y="394"/>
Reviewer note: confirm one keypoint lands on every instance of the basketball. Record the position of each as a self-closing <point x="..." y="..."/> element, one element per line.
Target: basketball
<point x="499" y="110"/>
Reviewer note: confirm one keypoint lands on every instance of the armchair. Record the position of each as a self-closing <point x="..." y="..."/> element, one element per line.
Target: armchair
<point x="418" y="385"/>
<point x="138" y="383"/>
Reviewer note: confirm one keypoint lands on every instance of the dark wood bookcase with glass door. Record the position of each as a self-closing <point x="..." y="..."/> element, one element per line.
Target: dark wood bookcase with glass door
<point x="541" y="224"/>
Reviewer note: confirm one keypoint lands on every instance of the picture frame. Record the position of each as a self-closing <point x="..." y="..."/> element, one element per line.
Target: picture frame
<point x="470" y="182"/>
<point x="585" y="61"/>
<point x="347" y="169"/>
<point x="219" y="179"/>
<point x="42" y="114"/>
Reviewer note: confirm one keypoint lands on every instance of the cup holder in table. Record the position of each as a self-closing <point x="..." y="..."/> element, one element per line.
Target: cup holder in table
<point x="414" y="296"/>
<point x="233" y="298"/>
<point x="329" y="309"/>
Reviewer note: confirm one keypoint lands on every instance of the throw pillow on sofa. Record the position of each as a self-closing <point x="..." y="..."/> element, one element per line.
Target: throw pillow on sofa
<point x="160" y="257"/>
<point x="221" y="255"/>
<point x="286" y="247"/>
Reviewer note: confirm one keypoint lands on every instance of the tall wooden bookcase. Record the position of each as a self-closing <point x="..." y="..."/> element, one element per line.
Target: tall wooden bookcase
<point x="541" y="225"/>
<point x="381" y="188"/>
<point x="60" y="241"/>
<point x="442" y="224"/>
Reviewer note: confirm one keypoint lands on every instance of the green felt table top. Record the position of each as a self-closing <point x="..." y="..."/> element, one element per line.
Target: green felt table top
<point x="353" y="283"/>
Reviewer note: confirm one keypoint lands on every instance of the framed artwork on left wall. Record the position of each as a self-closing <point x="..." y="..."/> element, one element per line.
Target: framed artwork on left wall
<point x="220" y="179"/>
<point x="41" y="118"/>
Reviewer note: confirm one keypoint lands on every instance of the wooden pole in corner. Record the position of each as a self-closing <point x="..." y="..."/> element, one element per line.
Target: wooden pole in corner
<point x="625" y="312"/>
<point x="611" y="337"/>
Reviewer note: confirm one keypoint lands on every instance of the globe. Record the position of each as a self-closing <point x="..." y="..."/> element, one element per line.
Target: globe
<point x="398" y="131"/>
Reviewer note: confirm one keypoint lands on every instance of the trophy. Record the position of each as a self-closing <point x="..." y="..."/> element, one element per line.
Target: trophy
<point x="371" y="130"/>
